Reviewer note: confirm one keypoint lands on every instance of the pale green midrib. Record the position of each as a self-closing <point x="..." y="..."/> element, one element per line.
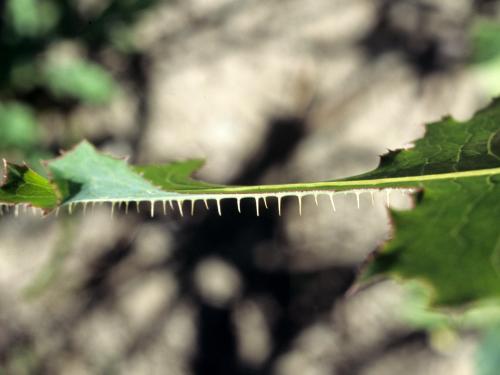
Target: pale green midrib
<point x="312" y="187"/>
<point x="346" y="183"/>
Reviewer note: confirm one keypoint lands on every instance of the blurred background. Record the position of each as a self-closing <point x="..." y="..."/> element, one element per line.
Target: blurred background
<point x="266" y="91"/>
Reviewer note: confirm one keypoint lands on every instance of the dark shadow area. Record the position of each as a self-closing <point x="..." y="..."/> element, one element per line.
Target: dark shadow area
<point x="405" y="27"/>
<point x="235" y="238"/>
<point x="486" y="7"/>
<point x="98" y="287"/>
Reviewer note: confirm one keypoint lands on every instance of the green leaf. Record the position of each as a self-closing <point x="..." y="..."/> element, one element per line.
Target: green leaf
<point x="488" y="353"/>
<point x="22" y="185"/>
<point x="18" y="127"/>
<point x="488" y="75"/>
<point x="485" y="59"/>
<point x="84" y="175"/>
<point x="485" y="41"/>
<point x="175" y="174"/>
<point x="450" y="241"/>
<point x="79" y="80"/>
<point x="23" y="15"/>
<point x="31" y="17"/>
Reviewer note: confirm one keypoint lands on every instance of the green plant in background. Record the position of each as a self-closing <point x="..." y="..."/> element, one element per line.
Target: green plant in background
<point x="485" y="59"/>
<point x="49" y="52"/>
<point x="20" y="133"/>
<point x="488" y="355"/>
<point x="19" y="129"/>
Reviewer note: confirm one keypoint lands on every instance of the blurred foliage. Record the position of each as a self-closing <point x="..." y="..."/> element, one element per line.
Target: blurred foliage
<point x="485" y="58"/>
<point x="39" y="72"/>
<point x="485" y="41"/>
<point x="22" y="360"/>
<point x="80" y="80"/>
<point x="20" y="135"/>
<point x="31" y="17"/>
<point x="488" y="354"/>
<point x="18" y="128"/>
<point x="415" y="309"/>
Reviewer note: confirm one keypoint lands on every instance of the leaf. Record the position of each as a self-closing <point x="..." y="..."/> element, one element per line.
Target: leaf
<point x="450" y="240"/>
<point x="488" y="75"/>
<point x="485" y="59"/>
<point x="18" y="127"/>
<point x="83" y="175"/>
<point x="22" y="185"/>
<point x="175" y="174"/>
<point x="30" y="18"/>
<point x="485" y="41"/>
<point x="23" y="14"/>
<point x="80" y="80"/>
<point x="488" y="353"/>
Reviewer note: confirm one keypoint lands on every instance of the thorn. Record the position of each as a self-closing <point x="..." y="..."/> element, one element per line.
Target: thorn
<point x="164" y="207"/>
<point x="299" y="197"/>
<point x="171" y="204"/>
<point x="357" y="198"/>
<point x="332" y="202"/>
<point x="179" y="203"/>
<point x="126" y="207"/>
<point x="206" y="204"/>
<point x="152" y="208"/>
<point x="279" y="204"/>
<point x="137" y="203"/>
<point x="218" y="206"/>
<point x="85" y="207"/>
<point x="316" y="199"/>
<point x="112" y="208"/>
<point x="257" y="205"/>
<point x="193" y="201"/>
<point x="238" y="204"/>
<point x="265" y="201"/>
<point x="16" y="210"/>
<point x="373" y="198"/>
<point x="70" y="208"/>
<point x="387" y="197"/>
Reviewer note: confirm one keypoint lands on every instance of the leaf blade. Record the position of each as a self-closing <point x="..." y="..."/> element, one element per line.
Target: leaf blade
<point x="22" y="185"/>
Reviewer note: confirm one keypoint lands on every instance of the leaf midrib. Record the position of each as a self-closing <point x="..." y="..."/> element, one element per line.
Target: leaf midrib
<point x="347" y="184"/>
